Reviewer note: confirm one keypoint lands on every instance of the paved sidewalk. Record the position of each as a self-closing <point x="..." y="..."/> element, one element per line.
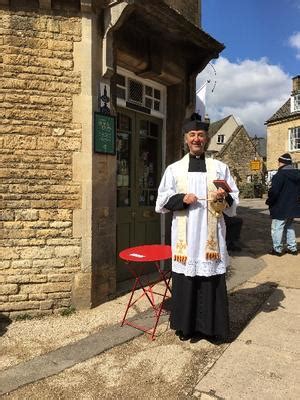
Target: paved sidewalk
<point x="264" y="361"/>
<point x="88" y="356"/>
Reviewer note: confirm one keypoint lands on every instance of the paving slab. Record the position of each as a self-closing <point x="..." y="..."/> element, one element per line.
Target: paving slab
<point x="264" y="362"/>
<point x="67" y="356"/>
<point x="247" y="372"/>
<point x="283" y="270"/>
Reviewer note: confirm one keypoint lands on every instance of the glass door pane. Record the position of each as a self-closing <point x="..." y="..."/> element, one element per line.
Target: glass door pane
<point x="124" y="138"/>
<point x="147" y="162"/>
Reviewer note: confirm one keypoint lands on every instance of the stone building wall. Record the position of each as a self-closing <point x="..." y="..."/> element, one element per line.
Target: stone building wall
<point x="239" y="160"/>
<point x="190" y="9"/>
<point x="277" y="142"/>
<point x="39" y="255"/>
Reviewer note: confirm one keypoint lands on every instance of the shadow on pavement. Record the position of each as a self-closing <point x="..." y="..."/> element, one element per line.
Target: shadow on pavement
<point x="256" y="232"/>
<point x="245" y="304"/>
<point x="4" y="322"/>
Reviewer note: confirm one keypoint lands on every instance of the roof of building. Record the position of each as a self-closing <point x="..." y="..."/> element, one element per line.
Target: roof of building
<point x="216" y="126"/>
<point x="283" y="112"/>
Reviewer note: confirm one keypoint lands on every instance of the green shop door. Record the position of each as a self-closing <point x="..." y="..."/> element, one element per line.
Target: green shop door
<point x="138" y="176"/>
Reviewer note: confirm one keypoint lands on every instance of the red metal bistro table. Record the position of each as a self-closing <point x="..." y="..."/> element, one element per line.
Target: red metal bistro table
<point x="153" y="253"/>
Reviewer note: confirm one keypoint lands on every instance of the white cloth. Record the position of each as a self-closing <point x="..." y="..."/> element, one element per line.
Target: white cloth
<point x="196" y="264"/>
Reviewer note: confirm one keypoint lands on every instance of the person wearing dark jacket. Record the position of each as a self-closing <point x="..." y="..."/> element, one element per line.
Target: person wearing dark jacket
<point x="284" y="205"/>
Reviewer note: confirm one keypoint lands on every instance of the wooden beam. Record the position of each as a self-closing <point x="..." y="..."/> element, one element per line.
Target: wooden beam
<point x="4" y="2"/>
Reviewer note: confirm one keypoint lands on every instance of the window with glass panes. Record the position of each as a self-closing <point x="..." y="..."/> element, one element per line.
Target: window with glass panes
<point x="294" y="138"/>
<point x="134" y="91"/>
<point x="296" y="102"/>
<point x="221" y="139"/>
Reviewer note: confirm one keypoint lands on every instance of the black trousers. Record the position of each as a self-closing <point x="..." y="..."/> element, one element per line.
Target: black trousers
<point x="200" y="305"/>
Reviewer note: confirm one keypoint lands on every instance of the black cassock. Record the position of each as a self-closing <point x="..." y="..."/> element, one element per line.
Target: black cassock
<point x="199" y="304"/>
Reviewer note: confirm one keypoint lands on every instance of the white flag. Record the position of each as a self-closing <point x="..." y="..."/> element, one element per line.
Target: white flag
<point x="200" y="101"/>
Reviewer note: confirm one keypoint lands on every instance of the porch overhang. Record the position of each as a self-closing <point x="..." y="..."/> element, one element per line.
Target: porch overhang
<point x="158" y="43"/>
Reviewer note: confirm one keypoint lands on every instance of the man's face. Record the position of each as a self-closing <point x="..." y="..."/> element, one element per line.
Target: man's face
<point x="196" y="141"/>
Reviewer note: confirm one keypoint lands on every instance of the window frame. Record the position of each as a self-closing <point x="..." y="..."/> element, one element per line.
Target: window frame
<point x="295" y="103"/>
<point x="221" y="135"/>
<point x="294" y="135"/>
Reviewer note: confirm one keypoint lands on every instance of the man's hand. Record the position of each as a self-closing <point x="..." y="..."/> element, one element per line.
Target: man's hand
<point x="219" y="194"/>
<point x="190" y="198"/>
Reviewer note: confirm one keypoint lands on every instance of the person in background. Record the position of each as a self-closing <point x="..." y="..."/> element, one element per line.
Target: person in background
<point x="200" y="258"/>
<point x="233" y="232"/>
<point x="284" y="205"/>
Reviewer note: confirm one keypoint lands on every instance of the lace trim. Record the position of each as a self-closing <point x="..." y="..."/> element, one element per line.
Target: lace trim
<point x="199" y="268"/>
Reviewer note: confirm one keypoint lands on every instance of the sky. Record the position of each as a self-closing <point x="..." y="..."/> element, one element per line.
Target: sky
<point x="252" y="78"/>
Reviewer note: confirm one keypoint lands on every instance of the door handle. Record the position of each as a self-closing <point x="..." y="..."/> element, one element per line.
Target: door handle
<point x="133" y="214"/>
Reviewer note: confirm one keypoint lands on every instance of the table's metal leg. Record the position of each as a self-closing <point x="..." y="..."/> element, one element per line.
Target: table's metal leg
<point x="161" y="306"/>
<point x="149" y="293"/>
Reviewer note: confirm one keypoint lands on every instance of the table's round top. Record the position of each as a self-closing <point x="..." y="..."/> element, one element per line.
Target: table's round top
<point x="149" y="252"/>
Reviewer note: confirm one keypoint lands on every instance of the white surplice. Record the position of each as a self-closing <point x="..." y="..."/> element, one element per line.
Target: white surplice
<point x="196" y="264"/>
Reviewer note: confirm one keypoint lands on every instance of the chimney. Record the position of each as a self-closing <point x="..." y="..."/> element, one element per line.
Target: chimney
<point x="296" y="85"/>
<point x="206" y="118"/>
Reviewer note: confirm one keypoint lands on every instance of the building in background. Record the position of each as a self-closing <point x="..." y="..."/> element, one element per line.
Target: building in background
<point x="231" y="144"/>
<point x="283" y="130"/>
<point x="79" y="185"/>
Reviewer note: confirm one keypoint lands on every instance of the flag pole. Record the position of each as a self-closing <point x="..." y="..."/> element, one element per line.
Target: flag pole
<point x="205" y="83"/>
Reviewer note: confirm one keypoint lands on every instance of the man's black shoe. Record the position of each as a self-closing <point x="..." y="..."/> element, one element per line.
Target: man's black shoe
<point x="183" y="337"/>
<point x="293" y="252"/>
<point x="275" y="253"/>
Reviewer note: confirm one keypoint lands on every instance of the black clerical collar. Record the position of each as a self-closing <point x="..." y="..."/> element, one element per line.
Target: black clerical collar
<point x="200" y="157"/>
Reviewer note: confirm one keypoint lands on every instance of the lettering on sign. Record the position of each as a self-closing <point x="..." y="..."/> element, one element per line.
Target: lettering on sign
<point x="104" y="133"/>
<point x="255" y="165"/>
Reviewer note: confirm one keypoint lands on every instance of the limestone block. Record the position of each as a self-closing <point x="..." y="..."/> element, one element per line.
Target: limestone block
<point x="62" y="215"/>
<point x="7" y="215"/>
<point x="81" y="290"/>
<point x="18" y="279"/>
<point x="18" y="297"/>
<point x="20" y="305"/>
<point x="60" y="224"/>
<point x="9" y="289"/>
<point x="36" y="252"/>
<point x="20" y="142"/>
<point x="45" y="288"/>
<point x="62" y="302"/>
<point x="47" y="143"/>
<point x="53" y="25"/>
<point x="58" y="131"/>
<point x="7" y="253"/>
<point x="69" y="144"/>
<point x="63" y="242"/>
<point x="60" y="45"/>
<point x="32" y="313"/>
<point x="37" y="296"/>
<point x="59" y="295"/>
<point x="26" y="215"/>
<point x="52" y="262"/>
<point x="4" y="264"/>
<point x="60" y="278"/>
<point x="71" y="27"/>
<point x="46" y="305"/>
<point x="67" y="251"/>
<point x="21" y="264"/>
